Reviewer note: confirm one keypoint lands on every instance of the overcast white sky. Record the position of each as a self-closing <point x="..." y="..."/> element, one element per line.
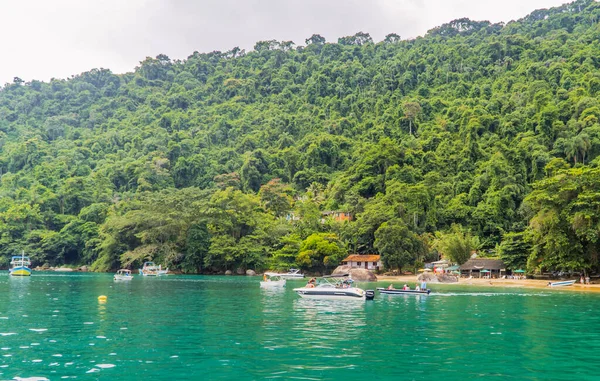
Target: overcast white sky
<point x="42" y="39"/>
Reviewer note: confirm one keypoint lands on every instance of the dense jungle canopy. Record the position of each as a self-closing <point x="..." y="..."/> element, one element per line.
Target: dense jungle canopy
<point x="476" y="136"/>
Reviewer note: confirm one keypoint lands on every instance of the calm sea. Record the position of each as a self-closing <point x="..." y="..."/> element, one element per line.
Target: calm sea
<point x="227" y="328"/>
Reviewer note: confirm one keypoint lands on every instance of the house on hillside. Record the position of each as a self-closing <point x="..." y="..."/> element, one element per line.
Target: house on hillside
<point x="482" y="268"/>
<point x="363" y="261"/>
<point x="336" y="215"/>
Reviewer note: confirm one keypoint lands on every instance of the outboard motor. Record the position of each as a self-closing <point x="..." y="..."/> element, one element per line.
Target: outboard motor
<point x="370" y="294"/>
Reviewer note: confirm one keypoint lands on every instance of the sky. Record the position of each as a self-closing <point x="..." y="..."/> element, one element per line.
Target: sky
<point x="44" y="39"/>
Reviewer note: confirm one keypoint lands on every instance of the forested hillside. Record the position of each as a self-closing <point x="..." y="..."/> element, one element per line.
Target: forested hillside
<point x="475" y="136"/>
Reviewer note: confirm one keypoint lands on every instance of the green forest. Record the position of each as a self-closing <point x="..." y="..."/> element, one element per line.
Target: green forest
<point x="475" y="136"/>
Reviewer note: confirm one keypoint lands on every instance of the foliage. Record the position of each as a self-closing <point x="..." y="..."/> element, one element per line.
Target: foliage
<point x="226" y="160"/>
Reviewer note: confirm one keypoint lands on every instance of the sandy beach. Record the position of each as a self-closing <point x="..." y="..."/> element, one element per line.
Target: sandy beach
<point x="411" y="280"/>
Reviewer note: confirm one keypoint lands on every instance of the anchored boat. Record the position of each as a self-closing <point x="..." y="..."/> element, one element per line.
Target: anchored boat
<point x="151" y="269"/>
<point x="561" y="284"/>
<point x="123" y="274"/>
<point x="292" y="274"/>
<point x="20" y="265"/>
<point x="272" y="280"/>
<point x="394" y="291"/>
<point x="334" y="287"/>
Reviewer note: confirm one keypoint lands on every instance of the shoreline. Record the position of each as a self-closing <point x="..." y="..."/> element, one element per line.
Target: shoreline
<point x="539" y="284"/>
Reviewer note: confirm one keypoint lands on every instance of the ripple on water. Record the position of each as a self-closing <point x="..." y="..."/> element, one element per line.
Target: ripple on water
<point x="38" y="329"/>
<point x="105" y="366"/>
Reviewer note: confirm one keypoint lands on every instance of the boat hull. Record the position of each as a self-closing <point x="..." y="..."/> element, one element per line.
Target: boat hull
<point x="20" y="271"/>
<point x="331" y="294"/>
<point x="292" y="276"/>
<point x="562" y="284"/>
<point x="403" y="292"/>
<point x="122" y="277"/>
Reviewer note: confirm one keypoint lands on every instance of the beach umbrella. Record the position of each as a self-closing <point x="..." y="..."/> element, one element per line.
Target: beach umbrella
<point x="421" y="270"/>
<point x="519" y="271"/>
<point x="484" y="271"/>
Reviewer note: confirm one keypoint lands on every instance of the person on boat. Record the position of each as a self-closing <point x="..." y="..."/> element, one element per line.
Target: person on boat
<point x="311" y="283"/>
<point x="391" y="287"/>
<point x="417" y="288"/>
<point x="264" y="277"/>
<point x="405" y="287"/>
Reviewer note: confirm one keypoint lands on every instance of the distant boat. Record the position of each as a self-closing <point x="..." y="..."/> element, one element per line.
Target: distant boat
<point x="272" y="280"/>
<point x="123" y="274"/>
<point x="292" y="274"/>
<point x="561" y="284"/>
<point x="151" y="269"/>
<point x="19" y="265"/>
<point x="402" y="292"/>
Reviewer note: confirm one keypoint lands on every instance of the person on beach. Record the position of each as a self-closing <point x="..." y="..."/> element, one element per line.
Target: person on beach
<point x="587" y="280"/>
<point x="582" y="280"/>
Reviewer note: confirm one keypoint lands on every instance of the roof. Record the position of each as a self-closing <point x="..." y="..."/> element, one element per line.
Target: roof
<point x="481" y="263"/>
<point x="362" y="258"/>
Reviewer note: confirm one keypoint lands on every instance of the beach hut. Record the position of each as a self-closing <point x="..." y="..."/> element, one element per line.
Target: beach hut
<point x="478" y="267"/>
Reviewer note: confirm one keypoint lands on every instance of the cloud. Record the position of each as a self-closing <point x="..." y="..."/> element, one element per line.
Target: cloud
<point x="44" y="39"/>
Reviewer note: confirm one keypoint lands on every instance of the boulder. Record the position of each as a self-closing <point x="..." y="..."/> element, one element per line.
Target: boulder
<point x="228" y="272"/>
<point x="432" y="278"/>
<point x="360" y="275"/>
<point x="250" y="272"/>
<point x="239" y="271"/>
<point x="63" y="269"/>
<point x="83" y="269"/>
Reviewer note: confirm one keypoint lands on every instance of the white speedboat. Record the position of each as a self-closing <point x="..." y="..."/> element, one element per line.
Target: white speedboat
<point x="271" y="280"/>
<point x="151" y="269"/>
<point x="334" y="287"/>
<point x="561" y="284"/>
<point x="292" y="274"/>
<point x="123" y="274"/>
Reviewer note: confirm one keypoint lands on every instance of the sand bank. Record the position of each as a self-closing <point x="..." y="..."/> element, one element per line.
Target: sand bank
<point x="411" y="280"/>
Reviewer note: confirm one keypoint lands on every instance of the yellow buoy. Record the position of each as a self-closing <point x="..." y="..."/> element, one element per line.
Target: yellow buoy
<point x="102" y="298"/>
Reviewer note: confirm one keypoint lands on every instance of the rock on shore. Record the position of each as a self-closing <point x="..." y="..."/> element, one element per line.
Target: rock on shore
<point x="432" y="278"/>
<point x="360" y="275"/>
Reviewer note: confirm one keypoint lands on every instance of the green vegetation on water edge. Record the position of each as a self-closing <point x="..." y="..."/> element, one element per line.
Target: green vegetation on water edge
<point x="475" y="136"/>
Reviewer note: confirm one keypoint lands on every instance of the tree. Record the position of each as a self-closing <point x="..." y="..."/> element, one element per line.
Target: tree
<point x="320" y="251"/>
<point x="411" y="110"/>
<point x="397" y="245"/>
<point x="456" y="244"/>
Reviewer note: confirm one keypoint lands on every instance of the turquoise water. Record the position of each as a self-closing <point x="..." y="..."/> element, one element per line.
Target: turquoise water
<point x="196" y="327"/>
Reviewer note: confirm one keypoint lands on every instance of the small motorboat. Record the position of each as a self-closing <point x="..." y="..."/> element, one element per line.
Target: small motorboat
<point x="333" y="287"/>
<point x="151" y="269"/>
<point x="271" y="280"/>
<point x="292" y="274"/>
<point x="394" y="291"/>
<point x="123" y="274"/>
<point x="561" y="284"/>
<point x="20" y="265"/>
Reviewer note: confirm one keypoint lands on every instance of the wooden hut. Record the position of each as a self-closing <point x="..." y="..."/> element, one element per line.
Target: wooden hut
<point x="482" y="267"/>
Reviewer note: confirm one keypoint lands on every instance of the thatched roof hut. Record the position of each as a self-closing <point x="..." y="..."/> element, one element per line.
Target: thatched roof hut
<point x="483" y="263"/>
<point x="482" y="267"/>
